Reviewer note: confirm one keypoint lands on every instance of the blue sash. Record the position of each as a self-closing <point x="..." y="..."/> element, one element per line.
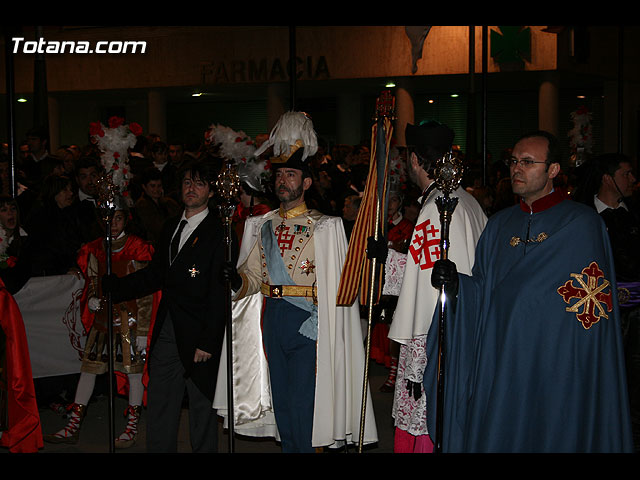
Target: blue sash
<point x="279" y="276"/>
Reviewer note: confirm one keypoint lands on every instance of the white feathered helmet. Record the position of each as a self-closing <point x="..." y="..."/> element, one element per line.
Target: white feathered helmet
<point x="293" y="139"/>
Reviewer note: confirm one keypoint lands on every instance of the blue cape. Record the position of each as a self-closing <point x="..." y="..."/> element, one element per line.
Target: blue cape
<point x="523" y="374"/>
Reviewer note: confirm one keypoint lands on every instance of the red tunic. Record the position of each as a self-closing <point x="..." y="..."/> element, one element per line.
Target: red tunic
<point x="400" y="234"/>
<point x="134" y="248"/>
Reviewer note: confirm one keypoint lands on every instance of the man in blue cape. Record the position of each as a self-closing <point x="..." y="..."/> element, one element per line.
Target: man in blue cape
<point x="534" y="359"/>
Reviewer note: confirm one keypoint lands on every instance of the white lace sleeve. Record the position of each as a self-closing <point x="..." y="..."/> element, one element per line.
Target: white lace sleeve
<point x="393" y="272"/>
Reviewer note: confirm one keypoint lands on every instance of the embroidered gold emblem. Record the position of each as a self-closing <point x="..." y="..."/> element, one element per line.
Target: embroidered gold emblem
<point x="623" y="295"/>
<point x="590" y="295"/>
<point x="307" y="266"/>
<point x="541" y="237"/>
<point x="515" y="241"/>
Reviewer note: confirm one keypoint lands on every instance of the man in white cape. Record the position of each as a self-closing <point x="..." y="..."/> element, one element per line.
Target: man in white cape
<point x="322" y="405"/>
<point x="409" y="276"/>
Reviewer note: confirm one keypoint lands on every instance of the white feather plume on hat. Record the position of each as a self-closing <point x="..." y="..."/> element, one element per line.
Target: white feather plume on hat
<point x="240" y="148"/>
<point x="292" y="131"/>
<point x="236" y="146"/>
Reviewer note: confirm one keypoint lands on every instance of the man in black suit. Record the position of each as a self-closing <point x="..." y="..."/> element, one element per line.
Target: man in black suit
<point x="189" y="328"/>
<point x="87" y="172"/>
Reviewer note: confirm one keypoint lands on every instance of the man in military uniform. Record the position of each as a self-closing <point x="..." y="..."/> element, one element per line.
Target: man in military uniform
<point x="293" y="257"/>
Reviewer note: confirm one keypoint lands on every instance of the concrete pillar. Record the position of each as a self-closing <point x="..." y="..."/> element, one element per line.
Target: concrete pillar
<point x="405" y="112"/>
<point x="157" y="110"/>
<point x="548" y="105"/>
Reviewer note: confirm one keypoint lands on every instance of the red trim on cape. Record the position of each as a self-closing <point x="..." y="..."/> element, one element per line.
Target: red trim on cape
<point x="545" y="202"/>
<point x="25" y="433"/>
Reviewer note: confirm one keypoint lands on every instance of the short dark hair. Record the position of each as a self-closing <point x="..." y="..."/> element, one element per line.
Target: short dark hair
<point x="553" y="145"/>
<point x="38" y="132"/>
<point x="205" y="171"/>
<point x="52" y="185"/>
<point x="589" y="175"/>
<point x="608" y="163"/>
<point x="49" y="164"/>
<point x="429" y="141"/>
<point x="87" y="162"/>
<point x="149" y="174"/>
<point x="7" y="200"/>
<point x="142" y="143"/>
<point x="159" y="147"/>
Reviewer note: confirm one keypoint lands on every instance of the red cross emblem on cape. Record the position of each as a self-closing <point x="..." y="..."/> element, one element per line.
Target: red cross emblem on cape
<point x="589" y="292"/>
<point x="425" y="245"/>
<point x="285" y="240"/>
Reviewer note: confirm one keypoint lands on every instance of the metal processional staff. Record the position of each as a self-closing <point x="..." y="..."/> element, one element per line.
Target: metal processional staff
<point x="228" y="185"/>
<point x="106" y="206"/>
<point x="448" y="175"/>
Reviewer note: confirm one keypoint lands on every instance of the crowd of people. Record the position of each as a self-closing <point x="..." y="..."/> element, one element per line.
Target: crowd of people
<point x="51" y="225"/>
<point x="54" y="198"/>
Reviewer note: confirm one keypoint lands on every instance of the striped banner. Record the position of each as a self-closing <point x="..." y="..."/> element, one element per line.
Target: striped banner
<point x="357" y="271"/>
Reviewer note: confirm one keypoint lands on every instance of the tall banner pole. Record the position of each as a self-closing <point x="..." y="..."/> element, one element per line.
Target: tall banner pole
<point x="448" y="175"/>
<point x="106" y="205"/>
<point x="228" y="185"/>
<point x="374" y="200"/>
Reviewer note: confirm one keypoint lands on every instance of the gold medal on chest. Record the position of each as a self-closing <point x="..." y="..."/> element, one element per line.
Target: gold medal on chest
<point x="307" y="266"/>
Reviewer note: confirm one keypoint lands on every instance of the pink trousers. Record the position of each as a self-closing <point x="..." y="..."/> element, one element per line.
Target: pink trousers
<point x="404" y="442"/>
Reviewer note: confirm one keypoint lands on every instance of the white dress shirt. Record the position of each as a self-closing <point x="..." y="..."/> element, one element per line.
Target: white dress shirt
<point x="192" y="224"/>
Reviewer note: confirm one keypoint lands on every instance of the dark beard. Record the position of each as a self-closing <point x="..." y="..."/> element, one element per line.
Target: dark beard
<point x="290" y="195"/>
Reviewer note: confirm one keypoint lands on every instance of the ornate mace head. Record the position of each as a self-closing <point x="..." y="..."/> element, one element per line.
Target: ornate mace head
<point x="228" y="187"/>
<point x="106" y="198"/>
<point x="448" y="171"/>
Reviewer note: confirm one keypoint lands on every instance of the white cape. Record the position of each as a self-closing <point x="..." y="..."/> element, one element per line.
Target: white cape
<point x="418" y="299"/>
<point x="340" y="352"/>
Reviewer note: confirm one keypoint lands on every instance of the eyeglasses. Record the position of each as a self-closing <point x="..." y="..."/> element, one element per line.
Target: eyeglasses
<point x="525" y="162"/>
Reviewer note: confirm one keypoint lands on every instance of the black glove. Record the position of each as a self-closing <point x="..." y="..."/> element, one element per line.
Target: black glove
<point x="377" y="249"/>
<point x="445" y="273"/>
<point x="415" y="390"/>
<point x="231" y="275"/>
<point x="109" y="283"/>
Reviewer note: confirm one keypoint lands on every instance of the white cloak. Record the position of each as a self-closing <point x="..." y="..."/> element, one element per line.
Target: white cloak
<point x="340" y="352"/>
<point x="418" y="299"/>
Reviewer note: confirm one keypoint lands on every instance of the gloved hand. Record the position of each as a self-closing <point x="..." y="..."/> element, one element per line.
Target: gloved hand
<point x="230" y="274"/>
<point x="109" y="283"/>
<point x="377" y="249"/>
<point x="95" y="304"/>
<point x="141" y="343"/>
<point x="445" y="273"/>
<point x="415" y="389"/>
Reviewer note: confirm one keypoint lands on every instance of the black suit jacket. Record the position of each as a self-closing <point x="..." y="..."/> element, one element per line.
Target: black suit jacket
<point x="88" y="218"/>
<point x="193" y="294"/>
